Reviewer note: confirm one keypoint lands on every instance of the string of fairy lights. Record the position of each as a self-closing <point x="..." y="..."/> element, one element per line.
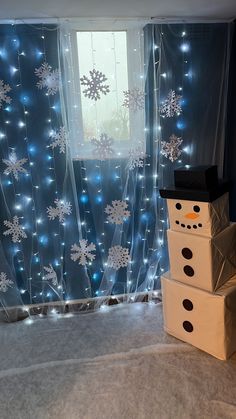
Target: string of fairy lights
<point x="126" y="182"/>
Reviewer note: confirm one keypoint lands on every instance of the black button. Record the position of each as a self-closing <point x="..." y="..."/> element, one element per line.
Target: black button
<point x="187" y="253"/>
<point x="176" y="222"/>
<point x="182" y="225"/>
<point x="200" y="225"/>
<point x="188" y="305"/>
<point x="194" y="226"/>
<point x="188" y="226"/>
<point x="188" y="270"/>
<point x="196" y="208"/>
<point x="178" y="206"/>
<point x="188" y="326"/>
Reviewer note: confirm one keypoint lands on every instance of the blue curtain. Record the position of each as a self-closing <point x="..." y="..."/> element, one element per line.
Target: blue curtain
<point x="48" y="204"/>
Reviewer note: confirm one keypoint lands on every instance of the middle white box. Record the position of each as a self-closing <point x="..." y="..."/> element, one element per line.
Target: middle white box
<point x="203" y="262"/>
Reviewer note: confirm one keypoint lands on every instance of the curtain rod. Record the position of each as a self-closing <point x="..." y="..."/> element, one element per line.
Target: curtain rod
<point x="152" y="19"/>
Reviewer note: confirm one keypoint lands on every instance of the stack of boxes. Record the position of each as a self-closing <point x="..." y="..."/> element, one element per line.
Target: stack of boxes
<point x="199" y="292"/>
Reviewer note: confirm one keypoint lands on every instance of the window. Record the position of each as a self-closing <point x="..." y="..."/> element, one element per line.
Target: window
<point x="108" y="68"/>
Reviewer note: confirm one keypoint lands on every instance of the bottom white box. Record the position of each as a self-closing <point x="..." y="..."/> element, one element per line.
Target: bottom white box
<point x="198" y="317"/>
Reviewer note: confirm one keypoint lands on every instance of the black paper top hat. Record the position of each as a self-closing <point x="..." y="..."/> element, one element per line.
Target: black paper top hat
<point x="197" y="183"/>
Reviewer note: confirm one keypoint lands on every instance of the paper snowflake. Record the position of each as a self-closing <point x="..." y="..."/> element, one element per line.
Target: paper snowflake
<point x="103" y="149"/>
<point x="171" y="149"/>
<point x="171" y="106"/>
<point x="117" y="212"/>
<point x="118" y="257"/>
<point x="14" y="166"/>
<point x="5" y="282"/>
<point x="15" y="230"/>
<point x="94" y="85"/>
<point x="136" y="157"/>
<point x="62" y="208"/>
<point x="134" y="99"/>
<point x="49" y="79"/>
<point x="60" y="140"/>
<point x="4" y="89"/>
<point x="83" y="252"/>
<point x="50" y="275"/>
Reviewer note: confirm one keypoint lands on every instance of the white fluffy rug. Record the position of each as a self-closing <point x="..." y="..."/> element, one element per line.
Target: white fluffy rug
<point x="112" y="364"/>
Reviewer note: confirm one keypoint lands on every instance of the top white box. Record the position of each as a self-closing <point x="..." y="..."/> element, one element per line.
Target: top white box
<point x="200" y="218"/>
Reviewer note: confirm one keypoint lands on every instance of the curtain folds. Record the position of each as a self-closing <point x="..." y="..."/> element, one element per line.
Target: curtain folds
<point x="81" y="217"/>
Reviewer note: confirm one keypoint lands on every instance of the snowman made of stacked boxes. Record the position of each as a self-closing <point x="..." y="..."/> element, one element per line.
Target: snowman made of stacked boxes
<point x="199" y="292"/>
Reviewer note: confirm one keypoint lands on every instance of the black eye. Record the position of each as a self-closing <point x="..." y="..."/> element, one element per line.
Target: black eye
<point x="178" y="206"/>
<point x="196" y="208"/>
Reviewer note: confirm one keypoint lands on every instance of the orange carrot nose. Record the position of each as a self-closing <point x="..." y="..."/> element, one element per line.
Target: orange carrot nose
<point x="191" y="215"/>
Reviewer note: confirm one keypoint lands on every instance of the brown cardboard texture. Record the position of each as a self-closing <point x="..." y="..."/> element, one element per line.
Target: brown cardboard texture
<point x="203" y="262"/>
<point x="206" y="321"/>
<point x="199" y="218"/>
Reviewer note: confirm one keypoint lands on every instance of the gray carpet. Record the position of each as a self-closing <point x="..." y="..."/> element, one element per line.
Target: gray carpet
<point x="112" y="364"/>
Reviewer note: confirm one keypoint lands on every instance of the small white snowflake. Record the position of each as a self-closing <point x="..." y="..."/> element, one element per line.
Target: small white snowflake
<point x="118" y="257"/>
<point x="60" y="140"/>
<point x="14" y="166"/>
<point x="4" y="89"/>
<point x="49" y="79"/>
<point x="62" y="208"/>
<point x="136" y="157"/>
<point x="5" y="282"/>
<point x="15" y="230"/>
<point x="134" y="99"/>
<point x="83" y="252"/>
<point x="50" y="275"/>
<point x="171" y="149"/>
<point x="94" y="85"/>
<point x="103" y="147"/>
<point x="171" y="106"/>
<point x="117" y="212"/>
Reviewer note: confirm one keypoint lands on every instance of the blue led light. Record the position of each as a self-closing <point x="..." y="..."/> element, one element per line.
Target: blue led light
<point x="98" y="199"/>
<point x="84" y="198"/>
<point x="181" y="124"/>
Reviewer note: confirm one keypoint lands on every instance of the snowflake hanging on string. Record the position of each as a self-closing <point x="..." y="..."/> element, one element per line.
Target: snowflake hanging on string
<point x="94" y="85"/>
<point x="103" y="147"/>
<point x="171" y="106"/>
<point x="15" y="230"/>
<point x="14" y="166"/>
<point x="60" y="140"/>
<point x="136" y="157"/>
<point x="134" y="99"/>
<point x="118" y="257"/>
<point x="83" y="252"/>
<point x="50" y="275"/>
<point x="49" y="79"/>
<point x="4" y="89"/>
<point x="5" y="283"/>
<point x="117" y="212"/>
<point x="171" y="149"/>
<point x="62" y="208"/>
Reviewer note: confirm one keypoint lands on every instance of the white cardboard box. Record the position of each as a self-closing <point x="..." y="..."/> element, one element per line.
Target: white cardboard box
<point x="206" y="321"/>
<point x="203" y="262"/>
<point x="199" y="218"/>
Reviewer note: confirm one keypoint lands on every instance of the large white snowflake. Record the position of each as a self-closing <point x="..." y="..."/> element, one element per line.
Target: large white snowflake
<point x="60" y="140"/>
<point x="14" y="229"/>
<point x="117" y="212"/>
<point x="14" y="166"/>
<point x="136" y="157"/>
<point x="94" y="85"/>
<point x="118" y="257"/>
<point x="134" y="99"/>
<point x="62" y="208"/>
<point x="172" y="105"/>
<point x="48" y="78"/>
<point x="83" y="252"/>
<point x="171" y="149"/>
<point x="5" y="282"/>
<point x="103" y="147"/>
<point x="4" y="89"/>
<point x="50" y="275"/>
